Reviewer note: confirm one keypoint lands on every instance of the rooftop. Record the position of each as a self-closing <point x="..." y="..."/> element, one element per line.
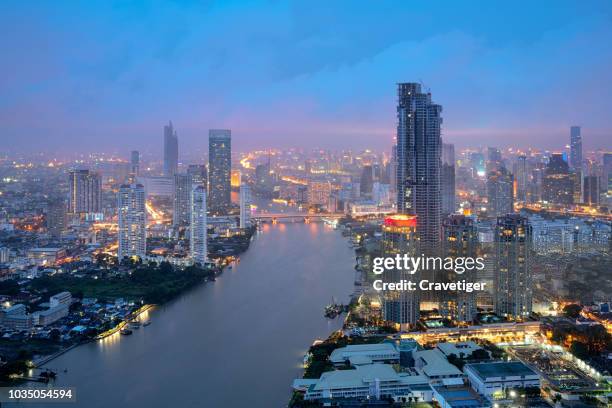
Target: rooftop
<point x="501" y="369"/>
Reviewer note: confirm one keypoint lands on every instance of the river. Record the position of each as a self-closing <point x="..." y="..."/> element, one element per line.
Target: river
<point x="237" y="342"/>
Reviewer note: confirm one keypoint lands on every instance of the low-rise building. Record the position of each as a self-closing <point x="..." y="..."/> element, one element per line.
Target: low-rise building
<point x="365" y="354"/>
<point x="15" y="318"/>
<point x="373" y="381"/>
<point x="454" y="394"/>
<point x="434" y="365"/>
<point x="492" y="379"/>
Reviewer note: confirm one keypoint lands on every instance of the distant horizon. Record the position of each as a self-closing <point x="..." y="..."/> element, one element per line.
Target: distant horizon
<point x="107" y="76"/>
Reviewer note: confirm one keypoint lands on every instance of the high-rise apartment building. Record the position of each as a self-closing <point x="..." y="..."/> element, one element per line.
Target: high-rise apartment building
<point x="447" y="179"/>
<point x="55" y="217"/>
<point x="575" y="159"/>
<point x="85" y="192"/>
<point x="513" y="278"/>
<point x="198" y="247"/>
<point x="132" y="216"/>
<point x="171" y="150"/>
<point x="418" y="161"/>
<point x="500" y="192"/>
<point x="182" y="198"/>
<point x="219" y="170"/>
<point x="245" y="206"/>
<point x="460" y="240"/>
<point x="399" y="237"/>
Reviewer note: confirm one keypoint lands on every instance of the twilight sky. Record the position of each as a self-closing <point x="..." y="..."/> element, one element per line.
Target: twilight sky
<point x="107" y="75"/>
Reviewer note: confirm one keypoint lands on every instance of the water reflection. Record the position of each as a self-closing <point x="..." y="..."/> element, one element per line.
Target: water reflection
<point x="217" y="344"/>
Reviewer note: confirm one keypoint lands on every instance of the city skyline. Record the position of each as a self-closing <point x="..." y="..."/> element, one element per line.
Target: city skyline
<point x="108" y="80"/>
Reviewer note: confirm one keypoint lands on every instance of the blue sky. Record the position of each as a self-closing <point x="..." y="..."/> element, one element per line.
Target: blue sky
<point x="104" y="75"/>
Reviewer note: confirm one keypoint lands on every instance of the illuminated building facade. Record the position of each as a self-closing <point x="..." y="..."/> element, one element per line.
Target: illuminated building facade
<point x="245" y="206"/>
<point x="319" y="192"/>
<point x="198" y="247"/>
<point x="132" y="221"/>
<point x="219" y="170"/>
<point x="85" y="192"/>
<point x="513" y="277"/>
<point x="182" y="197"/>
<point x="460" y="239"/>
<point x="558" y="183"/>
<point x="500" y="192"/>
<point x="418" y="162"/>
<point x="399" y="236"/>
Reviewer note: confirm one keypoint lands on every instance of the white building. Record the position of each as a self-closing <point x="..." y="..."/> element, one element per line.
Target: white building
<point x="373" y="381"/>
<point x="461" y="349"/>
<point x="132" y="221"/>
<point x="197" y="242"/>
<point x="245" y="206"/>
<point x="492" y="379"/>
<point x="360" y="354"/>
<point x="434" y="365"/>
<point x="62" y="298"/>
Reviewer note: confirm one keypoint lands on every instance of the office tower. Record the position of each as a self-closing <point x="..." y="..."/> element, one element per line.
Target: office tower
<point x="557" y="184"/>
<point x="198" y="236"/>
<point x="132" y="216"/>
<point x="494" y="159"/>
<point x="575" y="148"/>
<point x="460" y="240"/>
<point x="318" y="193"/>
<point x="513" y="280"/>
<point x="85" y="192"/>
<point x="134" y="163"/>
<point x="198" y="174"/>
<point x="447" y="179"/>
<point x="400" y="237"/>
<point x="56" y="217"/>
<point x="219" y="170"/>
<point x="245" y="206"/>
<point x="182" y="198"/>
<point x="591" y="190"/>
<point x="500" y="192"/>
<point x="366" y="182"/>
<point x="521" y="178"/>
<point x="418" y="162"/>
<point x="170" y="150"/>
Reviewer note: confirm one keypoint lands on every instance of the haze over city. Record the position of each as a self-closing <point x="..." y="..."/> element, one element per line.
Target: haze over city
<point x="106" y="76"/>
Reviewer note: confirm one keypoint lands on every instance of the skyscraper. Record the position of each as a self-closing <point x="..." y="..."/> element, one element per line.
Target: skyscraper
<point x="400" y="237"/>
<point x="513" y="280"/>
<point x="132" y="216"/>
<point x="494" y="159"/>
<point x="85" y="192"/>
<point x="460" y="240"/>
<point x="366" y="181"/>
<point x="245" y="205"/>
<point x="521" y="178"/>
<point x="591" y="190"/>
<point x="558" y="184"/>
<point x="182" y="197"/>
<point x="170" y="150"/>
<point x="134" y="163"/>
<point x="219" y="170"/>
<point x="575" y="148"/>
<point x="55" y="217"/>
<point x="447" y="179"/>
<point x="198" y="248"/>
<point x="418" y="162"/>
<point x="500" y="192"/>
